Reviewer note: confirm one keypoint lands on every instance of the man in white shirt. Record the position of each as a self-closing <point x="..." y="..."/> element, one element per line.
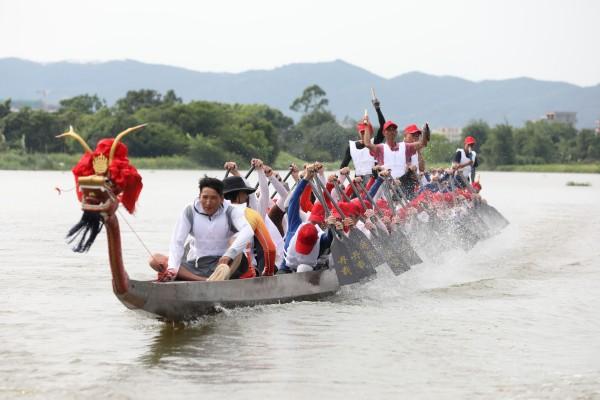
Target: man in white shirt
<point x="220" y="234"/>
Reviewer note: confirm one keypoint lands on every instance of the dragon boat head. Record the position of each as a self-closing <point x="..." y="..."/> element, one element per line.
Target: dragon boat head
<point x="104" y="179"/>
<point x="98" y="194"/>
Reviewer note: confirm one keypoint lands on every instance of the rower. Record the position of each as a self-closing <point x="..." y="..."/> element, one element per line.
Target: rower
<point x="395" y="156"/>
<point x="304" y="241"/>
<point x="465" y="159"/>
<point x="220" y="235"/>
<point x="411" y="135"/>
<point x="357" y="151"/>
<point x="263" y="250"/>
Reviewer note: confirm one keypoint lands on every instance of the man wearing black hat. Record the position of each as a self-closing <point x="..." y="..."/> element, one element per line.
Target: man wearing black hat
<point x="220" y="235"/>
<point x="264" y="249"/>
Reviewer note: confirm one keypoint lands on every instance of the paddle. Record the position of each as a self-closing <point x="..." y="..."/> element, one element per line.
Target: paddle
<point x="385" y="240"/>
<point x="284" y="180"/>
<point x="228" y="171"/>
<point x="374" y="256"/>
<point x="492" y="212"/>
<point x="393" y="260"/>
<point x="350" y="264"/>
<point x="252" y="168"/>
<point x="409" y="255"/>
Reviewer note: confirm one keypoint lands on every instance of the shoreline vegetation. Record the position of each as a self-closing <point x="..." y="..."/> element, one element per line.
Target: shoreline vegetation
<point x="204" y="135"/>
<point x="13" y="160"/>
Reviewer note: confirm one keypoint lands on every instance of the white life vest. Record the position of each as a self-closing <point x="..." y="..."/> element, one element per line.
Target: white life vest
<point x="362" y="159"/>
<point x="293" y="258"/>
<point x="211" y="235"/>
<point x="395" y="160"/>
<point x="463" y="159"/>
<point x="414" y="160"/>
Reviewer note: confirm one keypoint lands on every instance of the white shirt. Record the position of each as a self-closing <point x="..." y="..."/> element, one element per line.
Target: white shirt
<point x="211" y="234"/>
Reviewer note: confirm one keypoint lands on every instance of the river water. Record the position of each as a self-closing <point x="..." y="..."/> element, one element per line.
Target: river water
<point x="516" y="318"/>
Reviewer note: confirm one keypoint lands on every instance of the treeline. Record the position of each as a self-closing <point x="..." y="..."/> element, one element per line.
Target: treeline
<point x="539" y="142"/>
<point x="207" y="132"/>
<point x="211" y="133"/>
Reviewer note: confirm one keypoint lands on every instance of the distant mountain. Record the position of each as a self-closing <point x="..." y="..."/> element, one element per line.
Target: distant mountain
<point x="444" y="101"/>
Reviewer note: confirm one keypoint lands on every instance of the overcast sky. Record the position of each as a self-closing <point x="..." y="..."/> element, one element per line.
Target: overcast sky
<point x="549" y="40"/>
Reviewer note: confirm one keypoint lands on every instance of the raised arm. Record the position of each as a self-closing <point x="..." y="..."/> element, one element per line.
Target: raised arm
<point x="381" y="119"/>
<point x="368" y="133"/>
<point x="263" y="186"/>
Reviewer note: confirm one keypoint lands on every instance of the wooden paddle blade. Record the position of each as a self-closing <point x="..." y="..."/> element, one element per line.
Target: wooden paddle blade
<point x="410" y="256"/>
<point x="349" y="266"/>
<point x="360" y="241"/>
<point x="390" y="254"/>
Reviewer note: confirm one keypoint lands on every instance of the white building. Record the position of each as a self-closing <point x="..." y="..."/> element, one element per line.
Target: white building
<point x="452" y="134"/>
<point x="565" y="117"/>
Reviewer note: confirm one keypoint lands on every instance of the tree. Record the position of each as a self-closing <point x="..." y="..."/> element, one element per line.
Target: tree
<point x="5" y="108"/>
<point x="479" y="130"/>
<point x="533" y="145"/>
<point x="499" y="146"/>
<point x="312" y="99"/>
<point x="137" y="99"/>
<point x="171" y="98"/>
<point x="83" y="104"/>
<point x="32" y="130"/>
<point x="439" y="149"/>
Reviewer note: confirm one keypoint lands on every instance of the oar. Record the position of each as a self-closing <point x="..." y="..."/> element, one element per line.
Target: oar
<point x="349" y="261"/>
<point x="378" y="238"/>
<point x="245" y="177"/>
<point x="386" y="241"/>
<point x="284" y="180"/>
<point x="252" y="168"/>
<point x="409" y="255"/>
<point x="374" y="256"/>
<point x="341" y="192"/>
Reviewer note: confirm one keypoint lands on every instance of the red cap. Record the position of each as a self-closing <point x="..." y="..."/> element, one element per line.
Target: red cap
<point x="477" y="186"/>
<point x="381" y="203"/>
<point x="412" y="129"/>
<point x="470" y="140"/>
<point x="356" y="202"/>
<point x="307" y="237"/>
<point x="347" y="208"/>
<point x="389" y="124"/>
<point x="448" y="197"/>
<point x="317" y="213"/>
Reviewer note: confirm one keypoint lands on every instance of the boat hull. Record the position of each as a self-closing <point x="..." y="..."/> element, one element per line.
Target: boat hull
<point x="184" y="301"/>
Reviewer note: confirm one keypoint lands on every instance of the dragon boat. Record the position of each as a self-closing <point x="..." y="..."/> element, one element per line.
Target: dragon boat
<point x="106" y="180"/>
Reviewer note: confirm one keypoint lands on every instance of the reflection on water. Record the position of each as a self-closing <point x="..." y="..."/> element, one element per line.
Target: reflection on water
<point x="174" y="339"/>
<point x="516" y="317"/>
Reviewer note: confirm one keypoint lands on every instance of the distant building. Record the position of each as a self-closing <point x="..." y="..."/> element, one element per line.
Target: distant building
<point x="565" y="117"/>
<point x="452" y="134"/>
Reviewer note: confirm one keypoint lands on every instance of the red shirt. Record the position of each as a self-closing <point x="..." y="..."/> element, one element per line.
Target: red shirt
<point x="411" y="149"/>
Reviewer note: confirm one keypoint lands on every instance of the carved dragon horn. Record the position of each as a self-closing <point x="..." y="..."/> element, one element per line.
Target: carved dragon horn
<point x="75" y="135"/>
<point x="118" y="139"/>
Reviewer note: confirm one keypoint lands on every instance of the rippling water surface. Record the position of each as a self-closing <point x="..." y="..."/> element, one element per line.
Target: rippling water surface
<point x="518" y="317"/>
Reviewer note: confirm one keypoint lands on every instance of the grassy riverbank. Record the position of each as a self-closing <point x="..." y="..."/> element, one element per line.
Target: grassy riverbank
<point x="61" y="161"/>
